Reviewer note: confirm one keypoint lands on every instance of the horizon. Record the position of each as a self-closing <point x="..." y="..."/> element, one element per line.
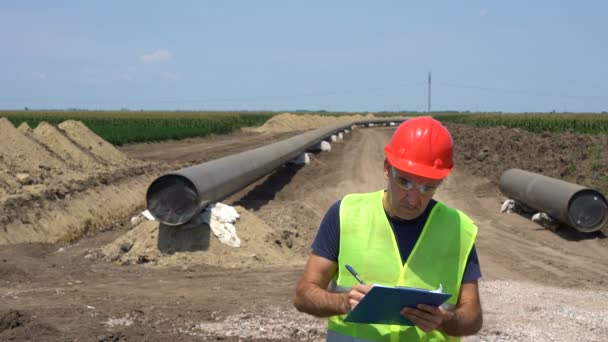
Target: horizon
<point x="297" y="111"/>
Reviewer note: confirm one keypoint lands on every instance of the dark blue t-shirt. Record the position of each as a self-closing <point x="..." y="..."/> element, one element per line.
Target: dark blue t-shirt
<point x="327" y="241"/>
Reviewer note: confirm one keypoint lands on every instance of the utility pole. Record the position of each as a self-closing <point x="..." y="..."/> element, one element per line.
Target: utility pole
<point x="429" y="105"/>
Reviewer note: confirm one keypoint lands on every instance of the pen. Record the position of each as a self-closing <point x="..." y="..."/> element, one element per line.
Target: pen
<point x="354" y="273"/>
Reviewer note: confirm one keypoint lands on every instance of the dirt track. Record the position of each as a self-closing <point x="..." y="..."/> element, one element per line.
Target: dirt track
<point x="537" y="285"/>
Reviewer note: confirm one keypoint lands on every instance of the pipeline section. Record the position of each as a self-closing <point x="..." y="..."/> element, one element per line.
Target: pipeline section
<point x="584" y="209"/>
<point x="176" y="197"/>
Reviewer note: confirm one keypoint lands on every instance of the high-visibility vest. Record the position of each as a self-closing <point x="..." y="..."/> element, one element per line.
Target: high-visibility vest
<point x="368" y="244"/>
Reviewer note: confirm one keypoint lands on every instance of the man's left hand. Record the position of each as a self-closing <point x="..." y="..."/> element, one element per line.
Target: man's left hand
<point x="427" y="317"/>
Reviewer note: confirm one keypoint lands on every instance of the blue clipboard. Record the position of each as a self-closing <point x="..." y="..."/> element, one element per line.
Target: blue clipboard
<point x="381" y="305"/>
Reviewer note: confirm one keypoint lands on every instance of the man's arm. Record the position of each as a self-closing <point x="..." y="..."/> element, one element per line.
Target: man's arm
<point x="312" y="296"/>
<point x="466" y="319"/>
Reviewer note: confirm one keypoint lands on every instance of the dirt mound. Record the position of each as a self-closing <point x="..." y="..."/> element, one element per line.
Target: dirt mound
<point x="22" y="155"/>
<point x="294" y="223"/>
<point x="43" y="172"/>
<point x="24" y="128"/>
<point x="158" y="245"/>
<point x="576" y="158"/>
<point x="58" y="143"/>
<point x="299" y="122"/>
<point x="8" y="183"/>
<point x="72" y="214"/>
<point x="83" y="136"/>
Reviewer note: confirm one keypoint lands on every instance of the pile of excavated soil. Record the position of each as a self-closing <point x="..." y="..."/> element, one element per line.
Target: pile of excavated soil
<point x="61" y="145"/>
<point x="84" y="137"/>
<point x="24" y="128"/>
<point x="488" y="152"/>
<point x="155" y="244"/>
<point x="299" y="122"/>
<point x="77" y="214"/>
<point x="42" y="173"/>
<point x="295" y="223"/>
<point x="22" y="155"/>
<point x="8" y="183"/>
<point x="33" y="161"/>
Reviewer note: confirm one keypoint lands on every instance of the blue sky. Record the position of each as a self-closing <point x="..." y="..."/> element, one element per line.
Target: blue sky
<point x="490" y="55"/>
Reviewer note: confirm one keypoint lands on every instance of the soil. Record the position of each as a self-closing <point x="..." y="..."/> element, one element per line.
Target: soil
<point x="117" y="282"/>
<point x="73" y="183"/>
<point x="61" y="145"/>
<point x="289" y="122"/>
<point x="195" y="244"/>
<point x="179" y="153"/>
<point x="575" y="158"/>
<point x="82" y="136"/>
<point x="20" y="154"/>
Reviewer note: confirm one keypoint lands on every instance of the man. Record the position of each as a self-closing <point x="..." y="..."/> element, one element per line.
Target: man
<point x="398" y="237"/>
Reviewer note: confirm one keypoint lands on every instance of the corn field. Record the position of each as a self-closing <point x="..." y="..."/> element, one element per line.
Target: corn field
<point x="127" y="127"/>
<point x="536" y="123"/>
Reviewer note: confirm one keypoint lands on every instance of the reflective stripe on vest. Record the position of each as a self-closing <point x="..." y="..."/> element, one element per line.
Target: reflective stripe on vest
<point x="367" y="243"/>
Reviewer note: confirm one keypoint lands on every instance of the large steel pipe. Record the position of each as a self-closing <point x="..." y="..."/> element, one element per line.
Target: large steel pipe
<point x="176" y="197"/>
<point x="582" y="208"/>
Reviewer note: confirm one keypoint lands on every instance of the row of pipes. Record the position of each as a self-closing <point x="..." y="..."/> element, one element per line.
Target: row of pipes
<point x="176" y="197"/>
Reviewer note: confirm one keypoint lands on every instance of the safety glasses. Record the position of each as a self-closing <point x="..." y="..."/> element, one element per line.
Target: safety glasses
<point x="407" y="184"/>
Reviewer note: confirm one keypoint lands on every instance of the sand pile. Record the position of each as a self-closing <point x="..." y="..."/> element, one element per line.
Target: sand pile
<point x="58" y="143"/>
<point x="22" y="156"/>
<point x="33" y="161"/>
<point x="24" y="128"/>
<point x="6" y="181"/>
<point x="154" y="244"/>
<point x="80" y="134"/>
<point x="299" y="122"/>
<point x="53" y="180"/>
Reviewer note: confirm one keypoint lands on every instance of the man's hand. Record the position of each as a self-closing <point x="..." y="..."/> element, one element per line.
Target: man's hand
<point x="357" y="293"/>
<point x="427" y="317"/>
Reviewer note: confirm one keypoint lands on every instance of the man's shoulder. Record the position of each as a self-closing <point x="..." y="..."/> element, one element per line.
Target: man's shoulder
<point x="334" y="208"/>
<point x="456" y="215"/>
<point x="361" y="196"/>
<point x="442" y="206"/>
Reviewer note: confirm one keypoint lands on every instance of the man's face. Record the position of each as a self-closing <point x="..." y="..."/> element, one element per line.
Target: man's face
<point x="408" y="194"/>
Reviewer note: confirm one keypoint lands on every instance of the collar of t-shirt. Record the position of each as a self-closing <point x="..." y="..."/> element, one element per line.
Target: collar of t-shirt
<point x="407" y="232"/>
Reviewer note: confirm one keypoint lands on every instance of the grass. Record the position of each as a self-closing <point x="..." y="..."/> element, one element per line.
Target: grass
<point x="536" y="123"/>
<point x="121" y="127"/>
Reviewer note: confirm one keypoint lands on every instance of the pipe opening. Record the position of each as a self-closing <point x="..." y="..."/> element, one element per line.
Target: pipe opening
<point x="172" y="199"/>
<point x="588" y="210"/>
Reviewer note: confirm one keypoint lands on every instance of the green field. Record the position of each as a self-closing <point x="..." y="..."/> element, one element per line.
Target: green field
<point x="536" y="123"/>
<point x="122" y="127"/>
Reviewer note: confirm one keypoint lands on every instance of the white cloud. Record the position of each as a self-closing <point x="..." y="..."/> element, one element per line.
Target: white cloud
<point x="158" y="56"/>
<point x="42" y="76"/>
<point x="483" y="12"/>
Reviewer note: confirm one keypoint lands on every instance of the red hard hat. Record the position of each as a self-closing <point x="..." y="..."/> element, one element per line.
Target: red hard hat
<point x="421" y="146"/>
